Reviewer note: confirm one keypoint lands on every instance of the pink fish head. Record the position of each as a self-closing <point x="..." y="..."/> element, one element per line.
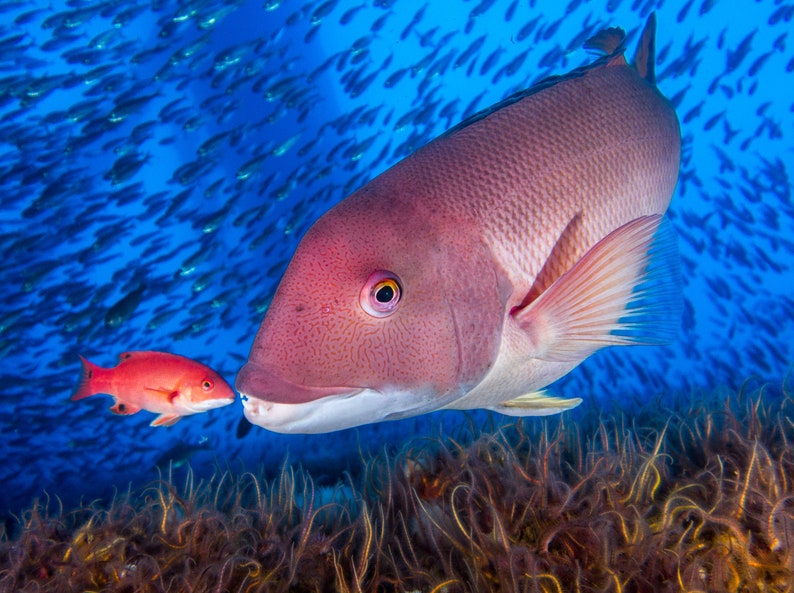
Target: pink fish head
<point x="380" y="315"/>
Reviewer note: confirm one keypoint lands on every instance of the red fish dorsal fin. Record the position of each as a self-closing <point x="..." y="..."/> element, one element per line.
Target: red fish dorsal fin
<point x="645" y="56"/>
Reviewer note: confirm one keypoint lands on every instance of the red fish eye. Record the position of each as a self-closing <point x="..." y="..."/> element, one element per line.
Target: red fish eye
<point x="381" y="294"/>
<point x="207" y="384"/>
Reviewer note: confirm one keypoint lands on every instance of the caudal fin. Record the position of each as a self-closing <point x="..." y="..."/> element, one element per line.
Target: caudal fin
<point x="645" y="56"/>
<point x="86" y="386"/>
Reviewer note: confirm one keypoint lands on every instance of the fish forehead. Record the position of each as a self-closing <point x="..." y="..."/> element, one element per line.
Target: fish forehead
<point x="387" y="225"/>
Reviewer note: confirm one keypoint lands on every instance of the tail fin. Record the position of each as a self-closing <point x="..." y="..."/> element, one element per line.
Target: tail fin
<point x="86" y="386"/>
<point x="645" y="56"/>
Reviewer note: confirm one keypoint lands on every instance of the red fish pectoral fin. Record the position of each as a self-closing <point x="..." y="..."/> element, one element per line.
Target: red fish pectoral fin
<point x="86" y="386"/>
<point x="168" y="394"/>
<point x="166" y="420"/>
<point x="124" y="409"/>
<point x="625" y="290"/>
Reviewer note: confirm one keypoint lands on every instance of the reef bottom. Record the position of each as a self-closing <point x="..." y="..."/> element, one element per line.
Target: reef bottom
<point x="695" y="499"/>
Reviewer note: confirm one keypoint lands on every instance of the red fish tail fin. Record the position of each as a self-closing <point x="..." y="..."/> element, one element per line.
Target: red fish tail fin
<point x="87" y="386"/>
<point x="645" y="56"/>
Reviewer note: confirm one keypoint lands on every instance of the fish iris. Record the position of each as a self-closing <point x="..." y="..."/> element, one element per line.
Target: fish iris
<point x="381" y="294"/>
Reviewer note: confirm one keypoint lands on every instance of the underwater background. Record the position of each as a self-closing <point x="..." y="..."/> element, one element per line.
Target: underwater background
<point x="160" y="160"/>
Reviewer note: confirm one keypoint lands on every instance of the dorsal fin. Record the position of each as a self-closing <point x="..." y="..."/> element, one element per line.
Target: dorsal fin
<point x="607" y="42"/>
<point x="645" y="56"/>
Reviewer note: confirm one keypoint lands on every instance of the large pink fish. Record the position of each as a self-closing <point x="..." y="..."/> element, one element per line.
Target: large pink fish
<point x="487" y="264"/>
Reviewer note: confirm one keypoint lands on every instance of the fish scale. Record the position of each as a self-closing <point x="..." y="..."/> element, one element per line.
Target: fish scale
<point x="604" y="145"/>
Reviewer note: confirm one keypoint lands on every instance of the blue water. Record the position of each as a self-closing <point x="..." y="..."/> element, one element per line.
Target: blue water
<point x="180" y="150"/>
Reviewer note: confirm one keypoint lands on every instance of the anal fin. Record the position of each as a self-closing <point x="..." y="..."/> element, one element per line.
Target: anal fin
<point x="166" y="420"/>
<point x="536" y="403"/>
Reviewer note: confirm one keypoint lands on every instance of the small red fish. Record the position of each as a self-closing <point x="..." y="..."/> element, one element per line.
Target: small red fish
<point x="166" y="384"/>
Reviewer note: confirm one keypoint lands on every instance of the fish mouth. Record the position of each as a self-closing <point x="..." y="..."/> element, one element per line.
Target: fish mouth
<point x="332" y="413"/>
<point x="257" y="381"/>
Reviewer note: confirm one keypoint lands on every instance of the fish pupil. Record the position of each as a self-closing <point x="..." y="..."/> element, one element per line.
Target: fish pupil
<point x="384" y="294"/>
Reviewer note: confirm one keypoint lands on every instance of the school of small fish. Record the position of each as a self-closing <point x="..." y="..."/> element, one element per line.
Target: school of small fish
<point x="160" y="161"/>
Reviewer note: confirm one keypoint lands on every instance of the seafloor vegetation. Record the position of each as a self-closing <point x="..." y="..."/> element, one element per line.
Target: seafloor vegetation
<point x="694" y="500"/>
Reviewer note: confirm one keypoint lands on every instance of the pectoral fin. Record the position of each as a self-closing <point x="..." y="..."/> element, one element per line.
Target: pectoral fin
<point x="166" y="420"/>
<point x="168" y="394"/>
<point x="625" y="290"/>
<point x="537" y="403"/>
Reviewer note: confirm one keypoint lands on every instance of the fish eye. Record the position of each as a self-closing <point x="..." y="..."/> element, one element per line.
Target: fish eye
<point x="381" y="294"/>
<point x="207" y="384"/>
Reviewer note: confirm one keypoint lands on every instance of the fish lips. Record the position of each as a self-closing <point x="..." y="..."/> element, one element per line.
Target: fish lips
<point x="259" y="382"/>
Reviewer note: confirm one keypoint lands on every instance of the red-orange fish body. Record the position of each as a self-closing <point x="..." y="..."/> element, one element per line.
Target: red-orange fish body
<point x="166" y="384"/>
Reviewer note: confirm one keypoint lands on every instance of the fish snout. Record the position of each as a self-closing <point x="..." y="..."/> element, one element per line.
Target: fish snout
<point x="257" y="381"/>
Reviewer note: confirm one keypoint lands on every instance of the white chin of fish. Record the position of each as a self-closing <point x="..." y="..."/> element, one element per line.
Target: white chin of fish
<point x="207" y="404"/>
<point x="336" y="412"/>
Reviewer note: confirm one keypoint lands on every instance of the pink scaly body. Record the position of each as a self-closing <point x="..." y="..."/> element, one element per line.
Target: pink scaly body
<point x="498" y="240"/>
